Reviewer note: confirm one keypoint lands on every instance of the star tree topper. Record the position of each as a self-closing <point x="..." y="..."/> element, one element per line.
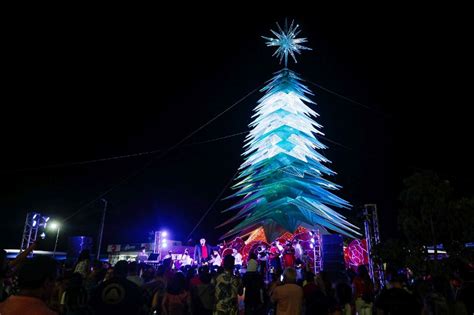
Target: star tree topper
<point x="287" y="42"/>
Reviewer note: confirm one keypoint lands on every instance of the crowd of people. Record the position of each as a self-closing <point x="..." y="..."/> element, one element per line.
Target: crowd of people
<point x="40" y="286"/>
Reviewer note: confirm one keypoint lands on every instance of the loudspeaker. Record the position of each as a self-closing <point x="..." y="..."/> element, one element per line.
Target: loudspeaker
<point x="332" y="253"/>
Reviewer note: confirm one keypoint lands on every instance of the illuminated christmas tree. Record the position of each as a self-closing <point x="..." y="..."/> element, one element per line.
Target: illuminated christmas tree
<point x="281" y="182"/>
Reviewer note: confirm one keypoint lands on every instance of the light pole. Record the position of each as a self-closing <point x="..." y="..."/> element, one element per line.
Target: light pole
<point x="55" y="226"/>
<point x="101" y="232"/>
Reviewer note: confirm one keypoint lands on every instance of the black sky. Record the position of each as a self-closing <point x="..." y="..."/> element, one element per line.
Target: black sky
<point x="78" y="88"/>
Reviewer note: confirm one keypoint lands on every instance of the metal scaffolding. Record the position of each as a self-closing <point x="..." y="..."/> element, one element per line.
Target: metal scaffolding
<point x="372" y="237"/>
<point x="33" y="224"/>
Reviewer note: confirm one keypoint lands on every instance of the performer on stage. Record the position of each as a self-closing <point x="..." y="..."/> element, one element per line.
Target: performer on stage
<point x="142" y="256"/>
<point x="186" y="259"/>
<point x="274" y="256"/>
<point x="262" y="257"/>
<point x="202" y="252"/>
<point x="298" y="250"/>
<point x="216" y="260"/>
<point x="289" y="256"/>
<point x="238" y="260"/>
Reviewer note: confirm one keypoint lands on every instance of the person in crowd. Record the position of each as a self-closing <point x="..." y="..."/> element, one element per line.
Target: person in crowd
<point x="177" y="301"/>
<point x="117" y="295"/>
<point x="288" y="296"/>
<point x="133" y="274"/>
<point x="396" y="300"/>
<point x="195" y="279"/>
<point x="36" y="279"/>
<point x="83" y="265"/>
<point x="3" y="273"/>
<point x="74" y="299"/>
<point x="363" y="290"/>
<point x="202" y="252"/>
<point x="343" y="299"/>
<point x="253" y="284"/>
<point x="203" y="295"/>
<point x="8" y="271"/>
<point x="148" y="273"/>
<point x="238" y="260"/>
<point x="314" y="298"/>
<point x="95" y="277"/>
<point x="228" y="287"/>
<point x="157" y="289"/>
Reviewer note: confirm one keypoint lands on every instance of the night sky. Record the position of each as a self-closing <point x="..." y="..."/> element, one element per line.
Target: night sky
<point x="79" y="89"/>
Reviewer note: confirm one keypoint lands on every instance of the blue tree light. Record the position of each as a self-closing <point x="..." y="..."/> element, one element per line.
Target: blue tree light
<point x="281" y="184"/>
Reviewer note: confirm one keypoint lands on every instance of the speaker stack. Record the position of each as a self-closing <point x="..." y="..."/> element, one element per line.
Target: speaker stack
<point x="332" y="253"/>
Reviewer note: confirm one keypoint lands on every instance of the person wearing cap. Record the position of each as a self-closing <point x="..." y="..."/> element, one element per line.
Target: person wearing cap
<point x="117" y="295"/>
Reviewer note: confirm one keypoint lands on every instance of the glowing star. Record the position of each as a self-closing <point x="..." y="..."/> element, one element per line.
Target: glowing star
<point x="281" y="185"/>
<point x="287" y="42"/>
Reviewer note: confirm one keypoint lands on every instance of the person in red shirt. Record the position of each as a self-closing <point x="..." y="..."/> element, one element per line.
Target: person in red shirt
<point x="36" y="281"/>
<point x="289" y="256"/>
<point x="202" y="252"/>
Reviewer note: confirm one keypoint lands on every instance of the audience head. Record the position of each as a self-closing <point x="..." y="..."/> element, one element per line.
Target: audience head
<point x="252" y="266"/>
<point x="37" y="276"/>
<point x="121" y="269"/>
<point x="177" y="283"/>
<point x="289" y="275"/>
<point x="132" y="268"/>
<point x="84" y="255"/>
<point x="252" y="256"/>
<point x="309" y="277"/>
<point x="229" y="262"/>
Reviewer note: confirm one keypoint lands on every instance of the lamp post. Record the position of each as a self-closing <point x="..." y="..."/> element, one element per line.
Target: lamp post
<point x="101" y="232"/>
<point x="55" y="226"/>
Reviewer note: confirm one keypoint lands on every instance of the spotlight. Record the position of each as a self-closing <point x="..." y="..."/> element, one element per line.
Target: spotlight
<point x="311" y="245"/>
<point x="43" y="235"/>
<point x="46" y="219"/>
<point x="164" y="245"/>
<point x="34" y="217"/>
<point x="164" y="234"/>
<point x="53" y="225"/>
<point x="34" y="223"/>
<point x="312" y="240"/>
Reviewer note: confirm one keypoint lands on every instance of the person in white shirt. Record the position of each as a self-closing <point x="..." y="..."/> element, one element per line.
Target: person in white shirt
<point x="186" y="260"/>
<point x="238" y="260"/>
<point x="216" y="260"/>
<point x="298" y="250"/>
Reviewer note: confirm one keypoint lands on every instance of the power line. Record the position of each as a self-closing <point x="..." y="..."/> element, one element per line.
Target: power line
<point x="319" y="86"/>
<point x="113" y="158"/>
<point x="213" y="203"/>
<point x="125" y="179"/>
